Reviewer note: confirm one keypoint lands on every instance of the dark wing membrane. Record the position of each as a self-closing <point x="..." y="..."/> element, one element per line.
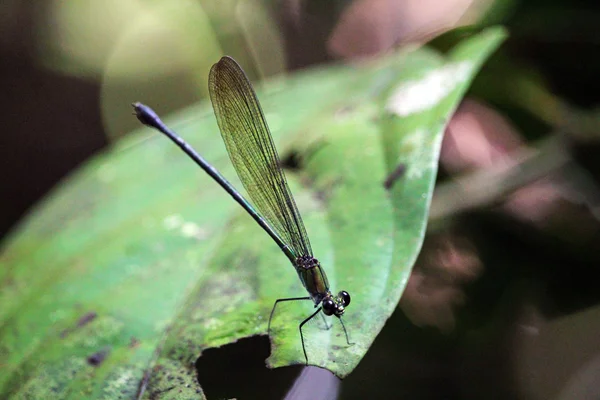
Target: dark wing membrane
<point x="253" y="154"/>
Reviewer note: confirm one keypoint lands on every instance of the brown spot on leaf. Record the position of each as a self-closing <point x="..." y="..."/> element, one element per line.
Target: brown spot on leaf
<point x="98" y="358"/>
<point x="82" y="321"/>
<point x="86" y="319"/>
<point x="134" y="342"/>
<point x="396" y="174"/>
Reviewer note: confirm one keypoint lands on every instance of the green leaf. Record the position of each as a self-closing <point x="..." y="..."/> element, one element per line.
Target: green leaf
<point x="139" y="262"/>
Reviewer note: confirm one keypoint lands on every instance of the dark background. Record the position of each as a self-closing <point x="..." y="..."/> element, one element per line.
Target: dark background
<point x="507" y="302"/>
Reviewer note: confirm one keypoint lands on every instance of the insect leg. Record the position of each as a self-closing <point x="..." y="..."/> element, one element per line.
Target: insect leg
<point x="275" y="305"/>
<point x="327" y="326"/>
<point x="302" y="336"/>
<point x="345" y="332"/>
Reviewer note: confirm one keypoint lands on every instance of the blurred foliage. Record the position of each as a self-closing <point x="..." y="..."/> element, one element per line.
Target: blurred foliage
<point x="136" y="47"/>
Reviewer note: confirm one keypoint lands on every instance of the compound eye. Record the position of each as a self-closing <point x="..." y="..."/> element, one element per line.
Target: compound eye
<point x="328" y="306"/>
<point x="345" y="296"/>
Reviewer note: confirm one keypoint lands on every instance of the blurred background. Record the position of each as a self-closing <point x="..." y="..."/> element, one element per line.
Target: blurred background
<point x="503" y="302"/>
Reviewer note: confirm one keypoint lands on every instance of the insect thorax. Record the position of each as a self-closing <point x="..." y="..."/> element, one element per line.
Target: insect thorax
<point x="307" y="262"/>
<point x="313" y="277"/>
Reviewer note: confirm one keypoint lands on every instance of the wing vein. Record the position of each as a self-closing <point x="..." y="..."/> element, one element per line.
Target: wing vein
<point x="253" y="153"/>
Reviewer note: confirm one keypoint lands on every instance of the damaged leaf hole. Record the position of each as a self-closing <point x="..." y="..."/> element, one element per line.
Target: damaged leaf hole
<point x="295" y="161"/>
<point x="239" y="370"/>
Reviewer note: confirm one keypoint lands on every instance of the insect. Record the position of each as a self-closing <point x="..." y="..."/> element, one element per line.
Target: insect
<point x="254" y="156"/>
